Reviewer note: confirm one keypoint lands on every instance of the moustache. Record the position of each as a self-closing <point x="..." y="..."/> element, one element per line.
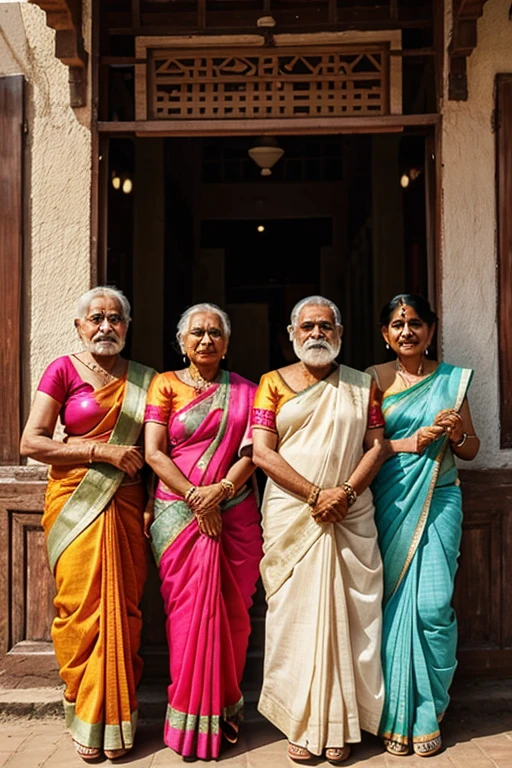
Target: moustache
<point x="101" y="338"/>
<point x="316" y="344"/>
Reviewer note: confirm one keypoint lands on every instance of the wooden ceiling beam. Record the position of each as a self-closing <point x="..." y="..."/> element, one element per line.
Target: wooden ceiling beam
<point x="65" y="17"/>
<point x="465" y="15"/>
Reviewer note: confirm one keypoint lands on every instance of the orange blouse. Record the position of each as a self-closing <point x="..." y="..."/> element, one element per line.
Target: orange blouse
<point x="273" y="392"/>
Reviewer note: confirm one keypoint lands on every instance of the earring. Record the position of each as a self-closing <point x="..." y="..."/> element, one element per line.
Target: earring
<point x="185" y="359"/>
<point x="426" y="352"/>
<point x="223" y="357"/>
<point x="387" y="346"/>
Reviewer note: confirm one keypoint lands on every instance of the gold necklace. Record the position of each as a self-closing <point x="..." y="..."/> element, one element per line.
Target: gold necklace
<point x="98" y="369"/>
<point x="404" y="373"/>
<point x="198" y="381"/>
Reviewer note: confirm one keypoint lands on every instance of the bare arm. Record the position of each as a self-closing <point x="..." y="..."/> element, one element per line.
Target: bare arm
<point x="332" y="503"/>
<point x="38" y="443"/>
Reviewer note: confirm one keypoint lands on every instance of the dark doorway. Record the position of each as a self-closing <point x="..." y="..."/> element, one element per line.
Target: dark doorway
<point x="193" y="220"/>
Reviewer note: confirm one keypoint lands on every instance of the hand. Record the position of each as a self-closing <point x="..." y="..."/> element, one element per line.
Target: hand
<point x="331" y="506"/>
<point x="451" y="423"/>
<point x="205" y="497"/>
<point x="210" y="523"/>
<point x="125" y="457"/>
<point x="425" y="436"/>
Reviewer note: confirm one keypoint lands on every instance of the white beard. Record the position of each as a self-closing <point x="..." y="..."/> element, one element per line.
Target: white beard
<point x="104" y="348"/>
<point x="316" y="353"/>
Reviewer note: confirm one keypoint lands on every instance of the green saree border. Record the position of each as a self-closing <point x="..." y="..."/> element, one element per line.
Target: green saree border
<point x="207" y="724"/>
<point x="422" y="520"/>
<point x="172" y="517"/>
<point x="100" y="735"/>
<point x="100" y="483"/>
<point x="221" y="400"/>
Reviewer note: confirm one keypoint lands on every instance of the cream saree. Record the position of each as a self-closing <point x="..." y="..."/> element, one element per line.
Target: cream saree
<point x="322" y="673"/>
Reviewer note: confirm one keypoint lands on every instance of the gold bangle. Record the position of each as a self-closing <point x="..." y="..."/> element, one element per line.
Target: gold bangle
<point x="313" y="496"/>
<point x="350" y="492"/>
<point x="229" y="486"/>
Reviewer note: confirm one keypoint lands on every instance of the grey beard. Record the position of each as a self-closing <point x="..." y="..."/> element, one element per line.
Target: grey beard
<point x="317" y="356"/>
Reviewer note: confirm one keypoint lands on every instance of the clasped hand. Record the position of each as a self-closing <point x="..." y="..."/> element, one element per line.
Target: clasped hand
<point x="451" y="423"/>
<point x="331" y="506"/>
<point x="447" y="422"/>
<point x="205" y="504"/>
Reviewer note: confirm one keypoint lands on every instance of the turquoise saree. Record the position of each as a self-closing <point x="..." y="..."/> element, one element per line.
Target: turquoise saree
<point x="418" y="514"/>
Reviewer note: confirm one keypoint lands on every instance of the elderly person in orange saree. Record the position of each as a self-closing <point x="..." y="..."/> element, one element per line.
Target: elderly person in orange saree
<point x="206" y="535"/>
<point x="93" y="521"/>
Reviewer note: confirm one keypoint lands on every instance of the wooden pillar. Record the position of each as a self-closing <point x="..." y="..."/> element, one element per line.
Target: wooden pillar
<point x="11" y="254"/>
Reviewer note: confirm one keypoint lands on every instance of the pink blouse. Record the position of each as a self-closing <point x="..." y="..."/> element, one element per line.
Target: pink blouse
<point x="80" y="411"/>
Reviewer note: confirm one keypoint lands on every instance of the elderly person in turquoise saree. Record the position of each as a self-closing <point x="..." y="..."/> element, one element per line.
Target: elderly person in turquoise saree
<point x="205" y="535"/>
<point x="418" y="514"/>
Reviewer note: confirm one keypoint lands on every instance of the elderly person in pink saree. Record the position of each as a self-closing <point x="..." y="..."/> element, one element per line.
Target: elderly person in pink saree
<point x="205" y="534"/>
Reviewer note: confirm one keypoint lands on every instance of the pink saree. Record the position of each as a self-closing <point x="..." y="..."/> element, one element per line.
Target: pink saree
<point x="207" y="585"/>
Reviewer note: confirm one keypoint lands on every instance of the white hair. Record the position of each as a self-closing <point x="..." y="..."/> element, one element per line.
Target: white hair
<point x="85" y="300"/>
<point x="310" y="301"/>
<point x="184" y="321"/>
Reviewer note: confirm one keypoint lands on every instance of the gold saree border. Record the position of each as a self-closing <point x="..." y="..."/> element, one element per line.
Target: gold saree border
<point x="100" y="483"/>
<point x="100" y="735"/>
<point x="422" y="520"/>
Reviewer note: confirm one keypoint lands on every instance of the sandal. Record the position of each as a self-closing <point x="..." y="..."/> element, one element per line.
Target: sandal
<point x="89" y="754"/>
<point x="427" y="748"/>
<point x="335" y="755"/>
<point x="297" y="753"/>
<point x="397" y="748"/>
<point x="230" y="731"/>
<point x="113" y="754"/>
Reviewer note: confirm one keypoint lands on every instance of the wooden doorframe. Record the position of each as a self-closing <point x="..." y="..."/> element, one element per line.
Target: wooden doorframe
<point x="12" y="90"/>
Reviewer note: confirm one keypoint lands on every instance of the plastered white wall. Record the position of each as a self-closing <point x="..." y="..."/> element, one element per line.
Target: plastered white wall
<point x="468" y="275"/>
<point x="57" y="189"/>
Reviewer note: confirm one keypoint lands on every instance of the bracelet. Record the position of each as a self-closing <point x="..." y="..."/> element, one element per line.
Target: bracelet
<point x="190" y="492"/>
<point x="461" y="441"/>
<point x="351" y="494"/>
<point x="91" y="452"/>
<point x="229" y="486"/>
<point x="313" y="496"/>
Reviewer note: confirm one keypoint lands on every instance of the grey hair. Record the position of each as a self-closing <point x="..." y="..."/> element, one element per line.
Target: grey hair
<point x="184" y="321"/>
<point x="309" y="301"/>
<point x="84" y="302"/>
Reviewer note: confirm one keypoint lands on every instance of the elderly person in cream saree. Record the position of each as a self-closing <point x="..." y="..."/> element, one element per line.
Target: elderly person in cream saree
<point x="93" y="521"/>
<point x="419" y="514"/>
<point x="322" y="571"/>
<point x="206" y="535"/>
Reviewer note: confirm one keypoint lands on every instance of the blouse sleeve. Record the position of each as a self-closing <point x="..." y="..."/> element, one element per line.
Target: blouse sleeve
<point x="375" y="417"/>
<point x="265" y="405"/>
<point x="159" y="400"/>
<point x="55" y="381"/>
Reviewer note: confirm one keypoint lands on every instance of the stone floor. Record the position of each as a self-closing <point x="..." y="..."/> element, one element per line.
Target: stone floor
<point x="471" y="740"/>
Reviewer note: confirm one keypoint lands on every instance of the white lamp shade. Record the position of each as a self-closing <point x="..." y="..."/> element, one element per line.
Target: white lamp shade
<point x="265" y="157"/>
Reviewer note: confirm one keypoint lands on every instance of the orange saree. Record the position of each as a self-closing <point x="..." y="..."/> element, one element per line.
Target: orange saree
<point x="100" y="571"/>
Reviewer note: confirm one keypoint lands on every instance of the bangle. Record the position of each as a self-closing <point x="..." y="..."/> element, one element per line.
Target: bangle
<point x="91" y="452"/>
<point x="461" y="441"/>
<point x="351" y="494"/>
<point x="229" y="486"/>
<point x="190" y="492"/>
<point x="313" y="496"/>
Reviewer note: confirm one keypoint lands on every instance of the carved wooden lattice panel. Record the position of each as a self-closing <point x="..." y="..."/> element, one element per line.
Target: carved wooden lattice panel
<point x="268" y="83"/>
